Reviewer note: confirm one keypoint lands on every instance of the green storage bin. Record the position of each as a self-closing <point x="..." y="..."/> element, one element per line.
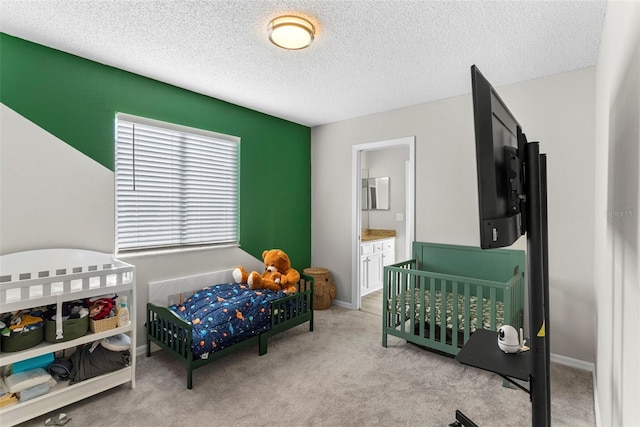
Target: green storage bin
<point x="22" y="341"/>
<point x="71" y="329"/>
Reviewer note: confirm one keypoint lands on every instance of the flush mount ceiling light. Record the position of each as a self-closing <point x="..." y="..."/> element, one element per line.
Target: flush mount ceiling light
<point x="291" y="32"/>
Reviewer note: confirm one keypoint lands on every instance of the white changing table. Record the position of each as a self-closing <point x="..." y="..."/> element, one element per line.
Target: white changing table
<point x="42" y="277"/>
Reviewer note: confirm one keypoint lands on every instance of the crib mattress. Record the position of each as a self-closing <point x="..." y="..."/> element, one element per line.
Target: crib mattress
<point x="224" y="314"/>
<point x="448" y="318"/>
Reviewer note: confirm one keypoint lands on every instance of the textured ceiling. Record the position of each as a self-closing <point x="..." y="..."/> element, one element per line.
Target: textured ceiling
<point x="369" y="56"/>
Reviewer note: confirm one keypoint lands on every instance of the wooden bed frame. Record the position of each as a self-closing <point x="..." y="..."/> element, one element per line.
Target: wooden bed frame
<point x="174" y="335"/>
<point x="461" y="273"/>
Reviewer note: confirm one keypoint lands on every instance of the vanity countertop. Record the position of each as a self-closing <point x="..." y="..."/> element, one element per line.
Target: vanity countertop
<point x="370" y="234"/>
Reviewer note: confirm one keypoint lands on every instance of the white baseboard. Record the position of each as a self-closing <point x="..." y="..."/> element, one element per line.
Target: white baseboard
<point x="574" y="363"/>
<point x="343" y="304"/>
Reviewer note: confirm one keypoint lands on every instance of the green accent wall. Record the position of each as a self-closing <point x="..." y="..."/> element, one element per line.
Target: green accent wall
<point x="76" y="100"/>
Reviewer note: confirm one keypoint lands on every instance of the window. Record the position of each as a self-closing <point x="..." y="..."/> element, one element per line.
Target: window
<point x="175" y="186"/>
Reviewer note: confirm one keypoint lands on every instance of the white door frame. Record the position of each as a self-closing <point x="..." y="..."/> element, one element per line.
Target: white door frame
<point x="356" y="213"/>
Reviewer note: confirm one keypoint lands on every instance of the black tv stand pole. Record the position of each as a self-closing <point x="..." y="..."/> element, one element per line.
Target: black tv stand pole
<point x="537" y="248"/>
<point x="545" y="236"/>
<point x="480" y="351"/>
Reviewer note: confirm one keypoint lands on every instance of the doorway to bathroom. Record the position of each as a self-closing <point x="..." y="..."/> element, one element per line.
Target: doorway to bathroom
<point x="382" y="214"/>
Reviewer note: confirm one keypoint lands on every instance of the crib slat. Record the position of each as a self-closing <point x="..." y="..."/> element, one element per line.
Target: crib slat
<point x="422" y="298"/>
<point x="432" y="308"/>
<point x="508" y="303"/>
<point x="387" y="312"/>
<point x="467" y="311"/>
<point x="417" y="281"/>
<point x="396" y="293"/>
<point x="400" y="295"/>
<point x="403" y="311"/>
<point x="410" y="286"/>
<point x="454" y="316"/>
<point x="414" y="299"/>
<point x="443" y="311"/>
<point x="492" y="310"/>
<point x="479" y="306"/>
<point x="400" y="292"/>
<point x="513" y="294"/>
<point x="393" y="290"/>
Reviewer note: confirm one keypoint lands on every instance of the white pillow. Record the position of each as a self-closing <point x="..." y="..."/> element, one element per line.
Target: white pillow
<point x="120" y="342"/>
<point x="26" y="379"/>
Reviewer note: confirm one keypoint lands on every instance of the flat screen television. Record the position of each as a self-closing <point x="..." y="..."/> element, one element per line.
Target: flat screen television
<point x="499" y="156"/>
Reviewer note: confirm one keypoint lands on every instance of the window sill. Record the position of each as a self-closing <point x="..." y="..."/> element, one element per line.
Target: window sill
<point x="156" y="252"/>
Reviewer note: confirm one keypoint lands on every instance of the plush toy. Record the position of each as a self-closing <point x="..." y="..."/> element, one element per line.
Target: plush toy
<point x="278" y="274"/>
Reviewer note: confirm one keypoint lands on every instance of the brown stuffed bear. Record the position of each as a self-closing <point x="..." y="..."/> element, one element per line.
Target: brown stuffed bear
<point x="278" y="274"/>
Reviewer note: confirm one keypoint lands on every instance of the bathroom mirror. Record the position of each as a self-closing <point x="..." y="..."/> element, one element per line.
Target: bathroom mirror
<point x="375" y="191"/>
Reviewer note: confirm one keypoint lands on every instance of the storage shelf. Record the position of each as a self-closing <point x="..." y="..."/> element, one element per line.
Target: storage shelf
<point x="47" y="347"/>
<point x="64" y="394"/>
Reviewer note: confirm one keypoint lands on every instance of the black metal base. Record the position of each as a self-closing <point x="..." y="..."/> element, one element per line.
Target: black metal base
<point x="462" y="420"/>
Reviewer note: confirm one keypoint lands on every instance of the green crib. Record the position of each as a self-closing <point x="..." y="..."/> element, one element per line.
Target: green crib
<point x="446" y="292"/>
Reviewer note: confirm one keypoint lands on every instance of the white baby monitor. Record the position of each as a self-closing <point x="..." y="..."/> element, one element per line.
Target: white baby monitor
<point x="508" y="339"/>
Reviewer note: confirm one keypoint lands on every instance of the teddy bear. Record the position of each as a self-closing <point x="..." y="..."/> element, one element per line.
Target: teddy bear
<point x="278" y="274"/>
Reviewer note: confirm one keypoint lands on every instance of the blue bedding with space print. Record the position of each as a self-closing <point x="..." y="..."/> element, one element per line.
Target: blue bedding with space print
<point x="225" y="314"/>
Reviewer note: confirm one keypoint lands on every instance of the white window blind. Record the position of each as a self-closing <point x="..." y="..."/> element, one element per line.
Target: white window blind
<point x="175" y="186"/>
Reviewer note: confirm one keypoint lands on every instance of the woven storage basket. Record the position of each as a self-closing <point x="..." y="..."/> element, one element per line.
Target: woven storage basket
<point x="324" y="287"/>
<point x="103" y="324"/>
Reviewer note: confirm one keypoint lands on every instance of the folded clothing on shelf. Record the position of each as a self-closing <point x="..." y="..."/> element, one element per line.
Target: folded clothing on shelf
<point x="26" y="379"/>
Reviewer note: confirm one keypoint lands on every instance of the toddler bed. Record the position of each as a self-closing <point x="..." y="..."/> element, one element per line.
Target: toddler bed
<point x="439" y="298"/>
<point x="219" y="320"/>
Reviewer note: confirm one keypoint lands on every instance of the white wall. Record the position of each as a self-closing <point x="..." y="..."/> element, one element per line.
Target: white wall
<point x="41" y="179"/>
<point x="53" y="196"/>
<point x="558" y="111"/>
<point x="617" y="220"/>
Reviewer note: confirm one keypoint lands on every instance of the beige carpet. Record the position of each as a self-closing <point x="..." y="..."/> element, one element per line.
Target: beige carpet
<point x="338" y="375"/>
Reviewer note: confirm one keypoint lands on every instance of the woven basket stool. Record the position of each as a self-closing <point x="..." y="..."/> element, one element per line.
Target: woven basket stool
<point x="324" y="289"/>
